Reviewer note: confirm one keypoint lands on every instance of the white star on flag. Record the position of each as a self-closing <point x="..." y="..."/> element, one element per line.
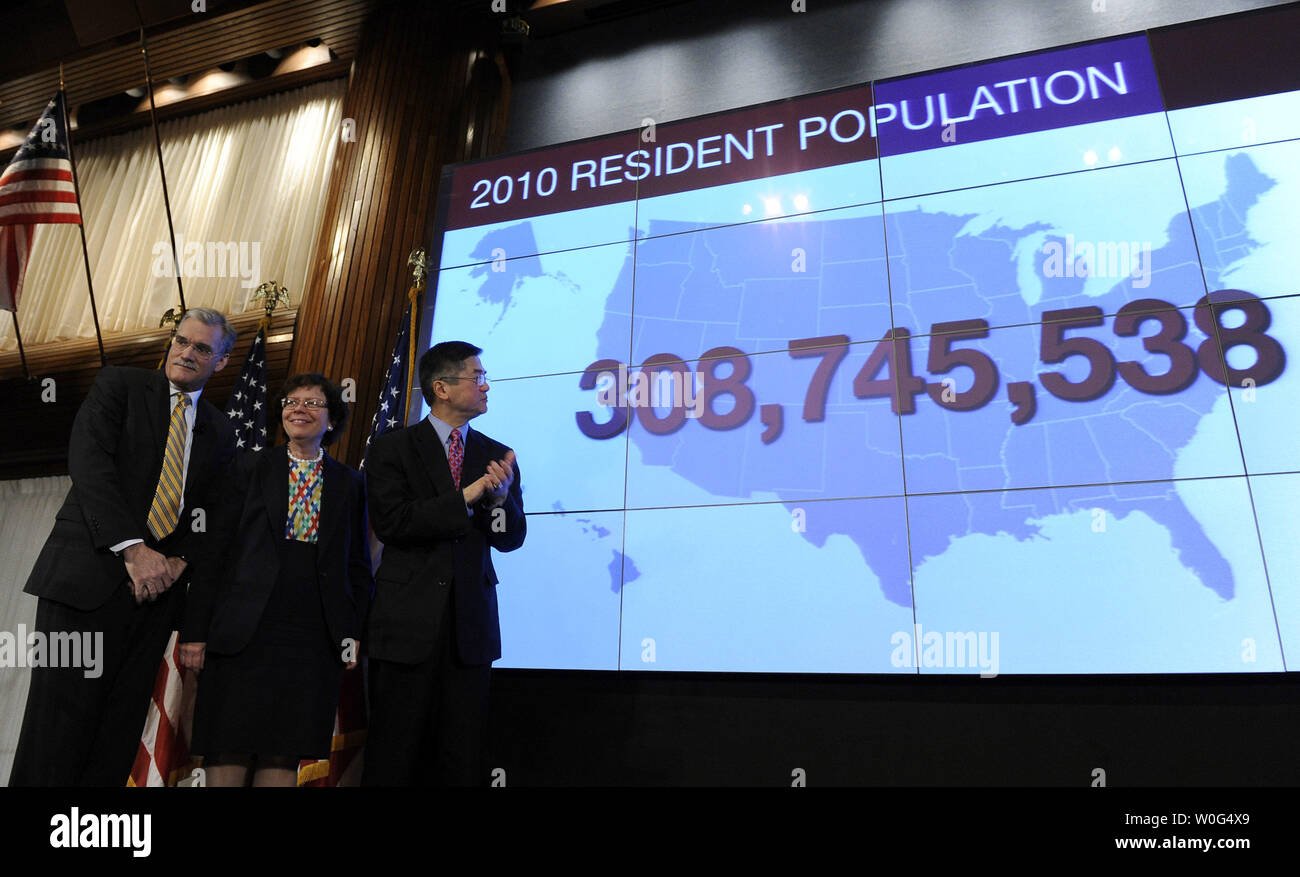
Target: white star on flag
<point x="392" y="393"/>
<point x="247" y="403"/>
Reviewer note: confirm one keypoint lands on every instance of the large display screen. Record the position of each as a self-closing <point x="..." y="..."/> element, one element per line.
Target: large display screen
<point x="978" y="371"/>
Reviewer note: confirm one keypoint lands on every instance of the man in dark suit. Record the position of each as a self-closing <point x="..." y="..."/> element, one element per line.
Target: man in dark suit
<point x="145" y="458"/>
<point x="441" y="496"/>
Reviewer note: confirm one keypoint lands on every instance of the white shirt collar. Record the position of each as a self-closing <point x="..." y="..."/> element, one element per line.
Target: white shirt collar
<point x="443" y="428"/>
<point x="193" y="394"/>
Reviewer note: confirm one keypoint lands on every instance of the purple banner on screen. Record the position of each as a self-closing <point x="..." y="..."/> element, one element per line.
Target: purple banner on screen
<point x="1089" y="83"/>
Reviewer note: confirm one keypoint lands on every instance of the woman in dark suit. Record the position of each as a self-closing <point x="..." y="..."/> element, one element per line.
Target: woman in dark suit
<point x="280" y="616"/>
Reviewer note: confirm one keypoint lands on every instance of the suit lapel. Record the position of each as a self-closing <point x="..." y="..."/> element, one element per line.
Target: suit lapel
<point x="200" y="444"/>
<point x="158" y="392"/>
<point x="434" y="457"/>
<point x="475" y="457"/>
<point x="274" y="475"/>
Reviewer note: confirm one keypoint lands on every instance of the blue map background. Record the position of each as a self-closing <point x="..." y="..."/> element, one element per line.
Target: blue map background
<point x="798" y="556"/>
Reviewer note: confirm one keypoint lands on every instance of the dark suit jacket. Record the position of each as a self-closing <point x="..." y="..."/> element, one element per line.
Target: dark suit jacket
<point x="114" y="457"/>
<point x="432" y="544"/>
<point x="227" y="598"/>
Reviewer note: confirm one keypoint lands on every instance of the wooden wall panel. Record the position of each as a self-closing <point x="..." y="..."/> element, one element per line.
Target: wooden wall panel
<point x="422" y="81"/>
<point x="415" y="99"/>
<point x="198" y="42"/>
<point x="35" y="440"/>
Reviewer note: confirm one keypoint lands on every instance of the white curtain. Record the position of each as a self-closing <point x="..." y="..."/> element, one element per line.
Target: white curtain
<point x="27" y="509"/>
<point x="247" y="181"/>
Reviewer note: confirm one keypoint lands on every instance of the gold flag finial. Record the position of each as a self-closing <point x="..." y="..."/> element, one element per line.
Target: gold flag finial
<point x="419" y="265"/>
<point x="171" y="317"/>
<point x="272" y="295"/>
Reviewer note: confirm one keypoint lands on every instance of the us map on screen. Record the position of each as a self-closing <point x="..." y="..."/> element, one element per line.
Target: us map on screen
<point x="977" y="371"/>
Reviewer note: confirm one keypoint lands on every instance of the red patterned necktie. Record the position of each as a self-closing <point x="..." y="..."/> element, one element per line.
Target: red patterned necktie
<point x="455" y="456"/>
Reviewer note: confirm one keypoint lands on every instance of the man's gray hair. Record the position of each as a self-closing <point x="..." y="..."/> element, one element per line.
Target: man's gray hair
<point x="213" y="317"/>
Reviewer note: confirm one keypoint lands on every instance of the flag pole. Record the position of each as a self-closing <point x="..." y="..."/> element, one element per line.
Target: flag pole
<point x="85" y="254"/>
<point x="19" y="335"/>
<point x="157" y="142"/>
<point x="419" y="269"/>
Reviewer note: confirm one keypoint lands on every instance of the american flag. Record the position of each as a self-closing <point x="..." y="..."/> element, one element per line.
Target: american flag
<point x="390" y="409"/>
<point x="163" y="756"/>
<point x="246" y="406"/>
<point x="342" y="767"/>
<point x="36" y="187"/>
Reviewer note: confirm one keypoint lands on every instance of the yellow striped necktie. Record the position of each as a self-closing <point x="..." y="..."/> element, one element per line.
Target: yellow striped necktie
<point x="166" y="506"/>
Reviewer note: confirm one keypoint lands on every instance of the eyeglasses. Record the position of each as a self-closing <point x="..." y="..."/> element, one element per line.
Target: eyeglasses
<point x="201" y="350"/>
<point x="304" y="403"/>
<point x="479" y="378"/>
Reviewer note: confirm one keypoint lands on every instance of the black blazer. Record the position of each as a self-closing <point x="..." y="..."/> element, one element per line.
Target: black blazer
<point x="115" y="455"/>
<point x="227" y="598"/>
<point x="432" y="544"/>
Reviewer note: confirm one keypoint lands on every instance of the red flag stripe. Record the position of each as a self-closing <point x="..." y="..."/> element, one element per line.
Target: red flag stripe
<point x="30" y="163"/>
<point x="37" y="197"/>
<point x="38" y="186"/>
<point x="169" y="749"/>
<point x="140" y="769"/>
<point x="144" y="756"/>
<point x="61" y="174"/>
<point x="165" y="742"/>
<point x="42" y="219"/>
<point x="16" y="245"/>
<point x="158" y="750"/>
<point x="30" y="214"/>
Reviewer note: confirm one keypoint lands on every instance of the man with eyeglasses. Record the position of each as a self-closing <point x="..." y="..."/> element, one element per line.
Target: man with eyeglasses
<point x="441" y="496"/>
<point x="145" y="458"/>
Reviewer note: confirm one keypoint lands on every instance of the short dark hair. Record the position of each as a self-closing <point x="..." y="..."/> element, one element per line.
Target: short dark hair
<point x="338" y="409"/>
<point x="444" y="358"/>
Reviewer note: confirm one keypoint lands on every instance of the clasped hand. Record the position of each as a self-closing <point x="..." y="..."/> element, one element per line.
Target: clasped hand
<point x="494" y="484"/>
<point x="151" y="573"/>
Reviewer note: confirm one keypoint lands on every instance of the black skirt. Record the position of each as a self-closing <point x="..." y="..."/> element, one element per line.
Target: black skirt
<point x="279" y="695"/>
